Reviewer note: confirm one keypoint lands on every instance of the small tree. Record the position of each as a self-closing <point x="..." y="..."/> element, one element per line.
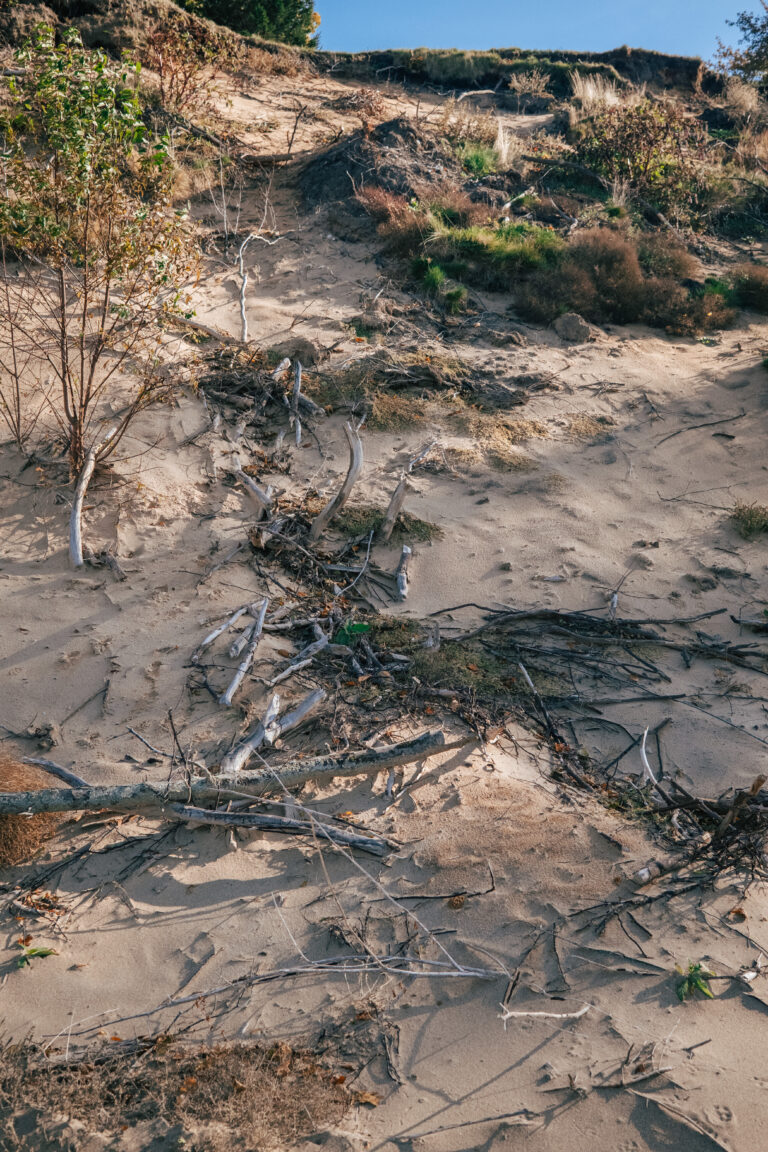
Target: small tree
<point x="292" y="21"/>
<point x="751" y="60"/>
<point x="92" y="249"/>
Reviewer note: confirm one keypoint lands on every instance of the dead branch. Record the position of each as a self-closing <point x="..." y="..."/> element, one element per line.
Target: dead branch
<point x="263" y="822"/>
<point x="209" y="789"/>
<point x="250" y="652"/>
<point x="321" y="521"/>
<point x="394" y="509"/>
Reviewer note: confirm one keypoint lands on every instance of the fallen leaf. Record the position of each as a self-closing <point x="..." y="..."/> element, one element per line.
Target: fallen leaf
<point x="370" y="1098"/>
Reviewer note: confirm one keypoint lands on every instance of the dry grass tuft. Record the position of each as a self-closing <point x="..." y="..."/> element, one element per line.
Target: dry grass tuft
<point x="750" y="520"/>
<point x="247" y="1096"/>
<point x="394" y="412"/>
<point x="581" y="426"/>
<point x="503" y="459"/>
<point x="460" y="122"/>
<point x="21" y="837"/>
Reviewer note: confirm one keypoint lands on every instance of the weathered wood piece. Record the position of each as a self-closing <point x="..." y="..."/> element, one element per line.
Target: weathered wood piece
<point x="209" y="789"/>
<point x="261" y="497"/>
<point x="56" y="770"/>
<point x="401" y="572"/>
<point x="262" y="821"/>
<point x="394" y="509"/>
<point x="320" y="523"/>
<point x="250" y="652"/>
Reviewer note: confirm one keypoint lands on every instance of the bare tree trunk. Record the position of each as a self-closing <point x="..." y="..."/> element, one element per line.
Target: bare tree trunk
<point x="75" y="520"/>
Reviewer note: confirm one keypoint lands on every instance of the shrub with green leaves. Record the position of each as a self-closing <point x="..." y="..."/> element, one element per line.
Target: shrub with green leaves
<point x="92" y="249"/>
<point x="292" y="21"/>
<point x="652" y="145"/>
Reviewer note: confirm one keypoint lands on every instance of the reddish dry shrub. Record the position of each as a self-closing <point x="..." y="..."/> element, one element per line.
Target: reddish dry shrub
<point x="612" y="263"/>
<point x="451" y="203"/>
<point x="751" y="284"/>
<point x="401" y="227"/>
<point x="22" y="836"/>
<point x="661" y="256"/>
<point x="599" y="277"/>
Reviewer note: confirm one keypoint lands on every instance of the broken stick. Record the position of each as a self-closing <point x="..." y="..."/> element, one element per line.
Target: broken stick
<point x="401" y="572"/>
<point x="253" y="641"/>
<point x="395" y="507"/>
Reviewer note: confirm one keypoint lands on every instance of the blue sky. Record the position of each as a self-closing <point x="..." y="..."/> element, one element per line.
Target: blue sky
<point x="685" y="27"/>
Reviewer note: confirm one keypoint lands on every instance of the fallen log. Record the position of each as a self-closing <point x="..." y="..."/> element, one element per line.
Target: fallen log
<point x="209" y="789"/>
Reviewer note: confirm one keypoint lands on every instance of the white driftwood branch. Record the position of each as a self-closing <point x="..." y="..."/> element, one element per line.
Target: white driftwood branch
<point x="507" y="1015"/>
<point x="320" y="523"/>
<point x="282" y="724"/>
<point x="209" y="789"/>
<point x="243" y="287"/>
<point x="54" y="769"/>
<point x="234" y="760"/>
<point x="284" y="363"/>
<point x="401" y="572"/>
<point x="250" y="652"/>
<point x="395" y="507"/>
<point x="209" y="639"/>
<point x="83" y="480"/>
<point x="261" y="497"/>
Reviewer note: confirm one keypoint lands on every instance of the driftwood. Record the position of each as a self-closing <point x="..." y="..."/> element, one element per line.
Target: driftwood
<point x="395" y="507"/>
<point x="271" y="728"/>
<point x="401" y="572"/>
<point x="56" y="770"/>
<point x="253" y="642"/>
<point x="260" y="821"/>
<point x="295" y="401"/>
<point x="209" y="639"/>
<point x="209" y="789"/>
<point x="320" y="523"/>
<point x="76" y="518"/>
<point x="261" y="497"/>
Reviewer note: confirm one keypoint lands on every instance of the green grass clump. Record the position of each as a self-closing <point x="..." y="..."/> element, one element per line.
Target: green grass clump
<point x="750" y="520"/>
<point x="430" y="274"/>
<point x="492" y="256"/>
<point x="455" y="300"/>
<point x="478" y="159"/>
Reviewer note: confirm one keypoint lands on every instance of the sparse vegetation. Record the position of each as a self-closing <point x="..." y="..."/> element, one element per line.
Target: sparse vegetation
<point x="362" y="519"/>
<point x="93" y="250"/>
<point x="271" y="1097"/>
<point x="751" y="286"/>
<point x="750" y="520"/>
<point x="186" y="55"/>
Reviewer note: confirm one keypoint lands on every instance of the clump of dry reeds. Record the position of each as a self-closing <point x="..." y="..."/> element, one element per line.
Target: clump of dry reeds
<point x="23" y="836"/>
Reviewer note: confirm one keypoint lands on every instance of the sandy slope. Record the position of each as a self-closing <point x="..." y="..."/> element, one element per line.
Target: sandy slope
<point x="495" y="861"/>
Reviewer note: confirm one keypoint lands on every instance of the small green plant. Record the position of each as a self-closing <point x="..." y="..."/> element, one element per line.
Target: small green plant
<point x="750" y="520"/>
<point x="478" y="159"/>
<point x="431" y="275"/>
<point x="29" y="952"/>
<point x="695" y="978"/>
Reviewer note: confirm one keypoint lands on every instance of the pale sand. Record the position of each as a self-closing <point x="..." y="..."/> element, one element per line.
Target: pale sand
<point x="205" y="913"/>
